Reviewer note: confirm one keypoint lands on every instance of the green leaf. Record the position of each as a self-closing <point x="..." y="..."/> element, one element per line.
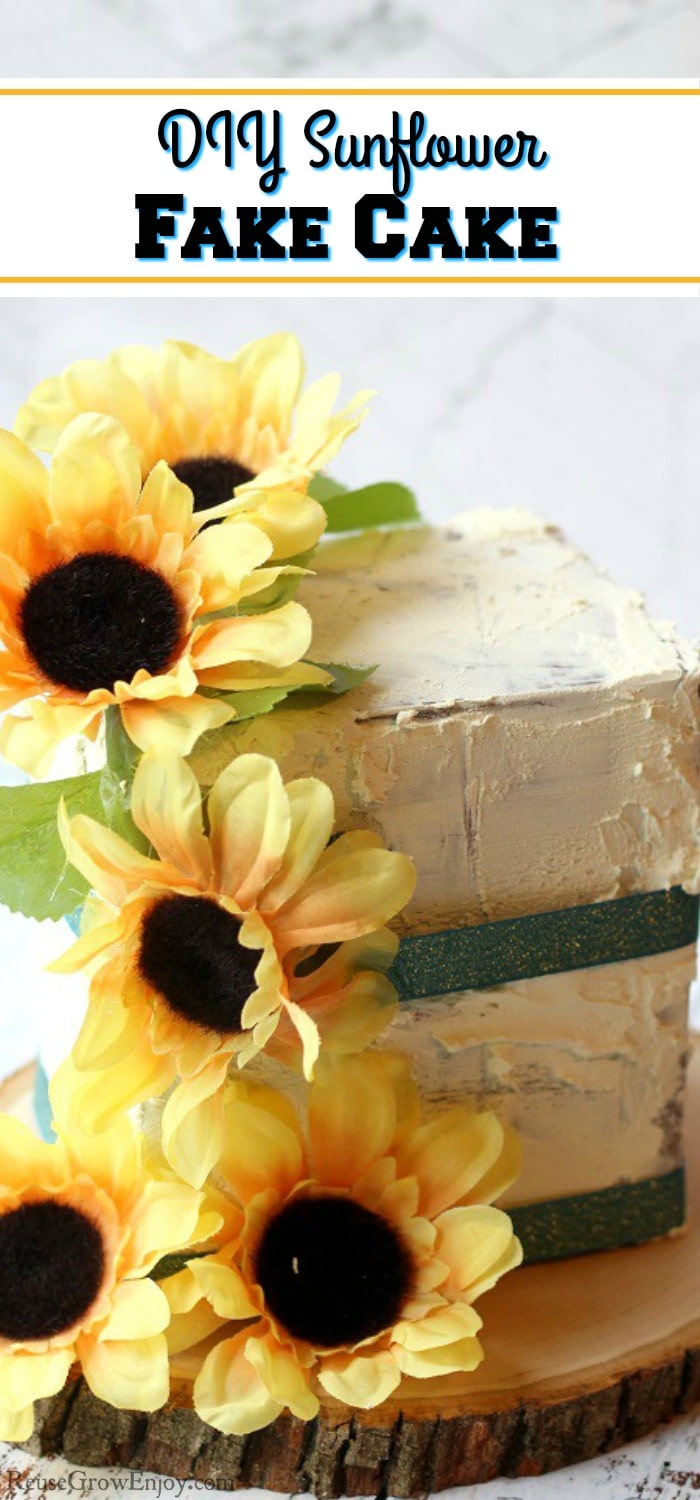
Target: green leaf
<point x="171" y="1264"/>
<point x="35" y="877"/>
<point x="278" y="593"/>
<point x="252" y="704"/>
<point x="386" y="504"/>
<point x="323" y="488"/>
<point x="115" y="794"/>
<point x="122" y="754"/>
<point x="345" y="678"/>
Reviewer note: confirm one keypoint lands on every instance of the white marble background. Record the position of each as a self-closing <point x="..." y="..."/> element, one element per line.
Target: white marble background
<point x="370" y="38"/>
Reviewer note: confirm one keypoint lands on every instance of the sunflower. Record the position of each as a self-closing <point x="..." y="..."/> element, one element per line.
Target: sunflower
<point x="82" y="1223"/>
<point x="367" y="1237"/>
<point x="110" y="594"/>
<point x="216" y="949"/>
<point x="221" y="425"/>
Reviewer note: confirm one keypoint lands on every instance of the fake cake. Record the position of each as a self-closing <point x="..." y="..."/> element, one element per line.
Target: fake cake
<point x="357" y="953"/>
<point x="530" y="737"/>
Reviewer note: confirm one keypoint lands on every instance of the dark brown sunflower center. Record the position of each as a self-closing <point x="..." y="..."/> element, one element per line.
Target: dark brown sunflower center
<point x="97" y="619"/>
<point x="332" y="1271"/>
<point x="190" y="954"/>
<point x="211" y="480"/>
<point x="51" y="1269"/>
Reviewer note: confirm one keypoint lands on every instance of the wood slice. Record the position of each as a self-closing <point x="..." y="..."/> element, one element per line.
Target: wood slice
<point x="581" y="1356"/>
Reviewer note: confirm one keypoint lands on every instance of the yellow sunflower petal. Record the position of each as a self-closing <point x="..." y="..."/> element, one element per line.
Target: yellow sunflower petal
<point x="269" y="372"/>
<point x="478" y="1245"/>
<point x="87" y="947"/>
<point x="31" y="741"/>
<point x="23" y="484"/>
<point x="182" y="1292"/>
<point x="463" y="1355"/>
<point x="308" y="1034"/>
<point x="110" y="1030"/>
<point x="250" y="824"/>
<point x="246" y="675"/>
<point x="225" y="1289"/>
<point x="363" y="1380"/>
<point x="24" y="1158"/>
<point x="504" y="1172"/>
<point x="294" y="522"/>
<point x="165" y="1218"/>
<point x="131" y="1374"/>
<point x="353" y="1018"/>
<point x="187" y="1330"/>
<point x="111" y="866"/>
<point x="175" y="723"/>
<point x="139" y="1310"/>
<point x="283" y="1376"/>
<point x="278" y="638"/>
<point x="27" y="1376"/>
<point x="352" y="1119"/>
<point x="261" y="1150"/>
<point x="229" y="1394"/>
<point x="374" y="951"/>
<point x="439" y="1326"/>
<point x="347" y="896"/>
<point x="112" y="1158"/>
<point x="101" y="1096"/>
<point x="449" y="1155"/>
<point x="318" y="432"/>
<point x="193" y="1122"/>
<point x="16" y="1426"/>
<point x="95" y="474"/>
<point x="88" y="385"/>
<point x="166" y="804"/>
<point x="312" y="814"/>
<point x="179" y="682"/>
<point x="167" y="501"/>
<point x="223" y="556"/>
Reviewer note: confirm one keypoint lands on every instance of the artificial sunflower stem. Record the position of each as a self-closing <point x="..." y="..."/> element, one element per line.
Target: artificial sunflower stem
<point x="122" y="758"/>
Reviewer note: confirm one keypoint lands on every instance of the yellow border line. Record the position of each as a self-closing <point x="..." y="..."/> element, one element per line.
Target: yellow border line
<point x="345" y="92"/>
<point x="351" y="280"/>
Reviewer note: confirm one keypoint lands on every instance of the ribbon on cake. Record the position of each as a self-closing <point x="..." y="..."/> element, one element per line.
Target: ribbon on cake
<point x="433" y="964"/>
<point x="448" y="962"/>
<point x="458" y="959"/>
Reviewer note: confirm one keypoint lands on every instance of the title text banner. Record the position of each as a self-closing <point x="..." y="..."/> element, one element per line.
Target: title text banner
<point x="266" y="185"/>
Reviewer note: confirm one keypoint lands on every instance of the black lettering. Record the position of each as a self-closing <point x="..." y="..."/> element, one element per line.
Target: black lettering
<point x="365" y="242"/>
<point x="174" y="145"/>
<point x="254" y="239"/>
<point x="272" y="159"/>
<point x="307" y="243"/>
<point x="530" y="155"/>
<point x="156" y="224"/>
<point x="322" y="123"/>
<point x="536" y="241"/>
<point x="485" y="242"/>
<point x="207" y="233"/>
<point x="436" y="232"/>
<point x="503" y="151"/>
<point x="222" y="116"/>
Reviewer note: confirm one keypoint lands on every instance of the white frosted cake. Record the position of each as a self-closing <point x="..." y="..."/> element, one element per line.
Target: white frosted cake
<point x="530" y="738"/>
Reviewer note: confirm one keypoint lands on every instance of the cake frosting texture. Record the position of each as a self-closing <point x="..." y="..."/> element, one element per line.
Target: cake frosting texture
<point x="530" y="738"/>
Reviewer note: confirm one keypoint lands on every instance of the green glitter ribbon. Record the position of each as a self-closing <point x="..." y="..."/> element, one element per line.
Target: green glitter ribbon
<point x="580" y="937"/>
<point x="628" y="1214"/>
